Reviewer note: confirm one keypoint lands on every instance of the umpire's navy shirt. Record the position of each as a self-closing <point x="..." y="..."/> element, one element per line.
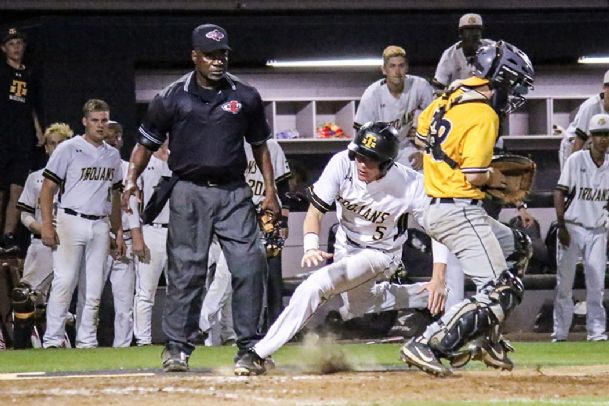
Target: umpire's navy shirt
<point x="206" y="127"/>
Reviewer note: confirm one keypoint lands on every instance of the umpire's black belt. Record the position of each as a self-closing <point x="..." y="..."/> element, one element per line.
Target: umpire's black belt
<point x="85" y="216"/>
<point x="439" y="200"/>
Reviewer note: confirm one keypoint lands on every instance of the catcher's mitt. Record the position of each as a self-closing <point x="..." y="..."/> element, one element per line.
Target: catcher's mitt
<point x="519" y="172"/>
<point x="270" y="225"/>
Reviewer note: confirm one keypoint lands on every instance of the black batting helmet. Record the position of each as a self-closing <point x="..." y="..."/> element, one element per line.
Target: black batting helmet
<point x="376" y="140"/>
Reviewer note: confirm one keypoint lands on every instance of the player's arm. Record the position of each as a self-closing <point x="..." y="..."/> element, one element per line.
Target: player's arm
<point x="436" y="286"/>
<point x="140" y="156"/>
<point x="559" y="205"/>
<point x="313" y="256"/>
<point x="262" y="156"/>
<point x="47" y="231"/>
<point x="29" y="221"/>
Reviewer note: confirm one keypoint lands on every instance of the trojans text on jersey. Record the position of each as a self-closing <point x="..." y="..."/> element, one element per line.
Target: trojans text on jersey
<point x="374" y="216"/>
<point x="94" y="173"/>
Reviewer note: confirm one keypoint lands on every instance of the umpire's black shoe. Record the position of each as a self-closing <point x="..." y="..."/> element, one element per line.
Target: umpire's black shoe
<point x="174" y="359"/>
<point x="420" y="355"/>
<point x="250" y="363"/>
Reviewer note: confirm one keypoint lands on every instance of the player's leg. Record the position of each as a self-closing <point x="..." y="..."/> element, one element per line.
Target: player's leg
<point x="216" y="296"/>
<point x="29" y="296"/>
<point x="274" y="288"/>
<point x="455" y="281"/>
<point x="595" y="264"/>
<point x="122" y="279"/>
<point x="566" y="260"/>
<point x="343" y="275"/>
<point x="96" y="255"/>
<point x="466" y="231"/>
<point x="147" y="276"/>
<point x="72" y="232"/>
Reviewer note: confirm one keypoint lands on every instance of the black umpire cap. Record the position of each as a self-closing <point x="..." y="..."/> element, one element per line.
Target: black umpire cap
<point x="209" y="38"/>
<point x="12" y="33"/>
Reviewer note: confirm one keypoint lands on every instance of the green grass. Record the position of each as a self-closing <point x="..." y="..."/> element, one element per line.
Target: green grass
<point x="383" y="355"/>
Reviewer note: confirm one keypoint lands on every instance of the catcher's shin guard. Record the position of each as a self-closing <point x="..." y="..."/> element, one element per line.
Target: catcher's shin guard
<point x="23" y="299"/>
<point x="476" y="318"/>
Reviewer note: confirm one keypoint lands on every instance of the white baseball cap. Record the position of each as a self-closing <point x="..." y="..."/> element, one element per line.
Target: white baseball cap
<point x="470" y="20"/>
<point x="599" y="123"/>
<point x="606" y="78"/>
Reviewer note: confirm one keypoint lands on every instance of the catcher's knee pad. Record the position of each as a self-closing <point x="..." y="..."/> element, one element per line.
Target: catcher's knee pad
<point x="471" y="320"/>
<point x="507" y="292"/>
<point x="523" y="251"/>
<point x="23" y="298"/>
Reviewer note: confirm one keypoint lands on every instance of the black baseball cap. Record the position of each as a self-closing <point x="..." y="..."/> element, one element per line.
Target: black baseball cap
<point x="12" y="33"/>
<point x="209" y="38"/>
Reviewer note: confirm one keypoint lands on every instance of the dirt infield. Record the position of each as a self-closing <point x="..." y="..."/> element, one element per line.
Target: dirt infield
<point x="284" y="387"/>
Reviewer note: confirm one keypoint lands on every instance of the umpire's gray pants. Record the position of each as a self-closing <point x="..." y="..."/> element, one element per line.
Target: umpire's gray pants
<point x="196" y="214"/>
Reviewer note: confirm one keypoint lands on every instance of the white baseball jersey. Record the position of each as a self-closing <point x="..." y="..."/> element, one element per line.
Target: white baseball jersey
<point x="587" y="189"/>
<point x="371" y="215"/>
<point x="454" y="65"/>
<point x="149" y="179"/>
<point x="253" y="175"/>
<point x="29" y="201"/>
<point x="579" y="125"/>
<point x="378" y="104"/>
<point x="87" y="175"/>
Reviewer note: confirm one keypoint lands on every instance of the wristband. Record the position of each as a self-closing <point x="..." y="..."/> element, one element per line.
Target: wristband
<point x="310" y="242"/>
<point x="522" y="205"/>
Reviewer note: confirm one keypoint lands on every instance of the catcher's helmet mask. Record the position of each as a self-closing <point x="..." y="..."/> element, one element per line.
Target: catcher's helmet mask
<point x="510" y="73"/>
<point x="384" y="149"/>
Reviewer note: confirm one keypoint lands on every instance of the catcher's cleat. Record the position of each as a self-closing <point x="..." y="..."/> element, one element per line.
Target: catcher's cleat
<point x="250" y="363"/>
<point x="174" y="360"/>
<point x="269" y="363"/>
<point x="494" y="354"/>
<point x="461" y="358"/>
<point x="415" y="353"/>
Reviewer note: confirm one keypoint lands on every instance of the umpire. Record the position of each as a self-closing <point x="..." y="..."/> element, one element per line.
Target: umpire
<point x="206" y="115"/>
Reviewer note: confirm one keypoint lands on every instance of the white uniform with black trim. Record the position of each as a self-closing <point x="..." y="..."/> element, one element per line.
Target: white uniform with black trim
<point x="453" y="64"/>
<point x="587" y="189"/>
<point x="378" y="104"/>
<point x="147" y="273"/>
<point x="87" y="175"/>
<point x="122" y="278"/>
<point x="216" y="311"/>
<point x="579" y="125"/>
<point x="38" y="265"/>
<point x="369" y="241"/>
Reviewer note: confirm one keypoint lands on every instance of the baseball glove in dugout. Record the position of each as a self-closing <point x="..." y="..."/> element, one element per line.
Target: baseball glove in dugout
<point x="519" y="172"/>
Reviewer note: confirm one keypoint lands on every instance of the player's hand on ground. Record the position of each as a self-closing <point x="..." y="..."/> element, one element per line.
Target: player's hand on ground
<point x="314" y="258"/>
<point x="437" y="295"/>
<point x="563" y="236"/>
<point x="496" y="180"/>
<point x="49" y="236"/>
<point x="416" y="160"/>
<point x="130" y="189"/>
<point x="526" y="218"/>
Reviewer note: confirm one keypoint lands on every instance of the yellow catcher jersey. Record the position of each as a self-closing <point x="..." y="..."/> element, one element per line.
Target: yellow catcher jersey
<point x="467" y="134"/>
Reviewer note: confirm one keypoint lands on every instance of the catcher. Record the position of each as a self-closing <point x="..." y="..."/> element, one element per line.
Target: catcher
<point x="459" y="131"/>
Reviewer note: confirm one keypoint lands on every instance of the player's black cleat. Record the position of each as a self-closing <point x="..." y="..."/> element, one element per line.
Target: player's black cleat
<point x="174" y="359"/>
<point x="415" y="353"/>
<point x="494" y="354"/>
<point x="250" y="363"/>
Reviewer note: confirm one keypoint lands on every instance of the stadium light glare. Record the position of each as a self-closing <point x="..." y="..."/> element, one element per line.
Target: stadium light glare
<point x="327" y="63"/>
<point x="593" y="60"/>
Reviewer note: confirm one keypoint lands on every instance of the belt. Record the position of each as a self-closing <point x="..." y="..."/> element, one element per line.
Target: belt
<point x="440" y="200"/>
<point x="160" y="225"/>
<point x="85" y="216"/>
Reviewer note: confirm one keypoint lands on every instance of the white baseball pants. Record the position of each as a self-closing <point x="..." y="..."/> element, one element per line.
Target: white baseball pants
<point x="147" y="276"/>
<point x="592" y="246"/>
<point x="353" y="273"/>
<point x="83" y="244"/>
